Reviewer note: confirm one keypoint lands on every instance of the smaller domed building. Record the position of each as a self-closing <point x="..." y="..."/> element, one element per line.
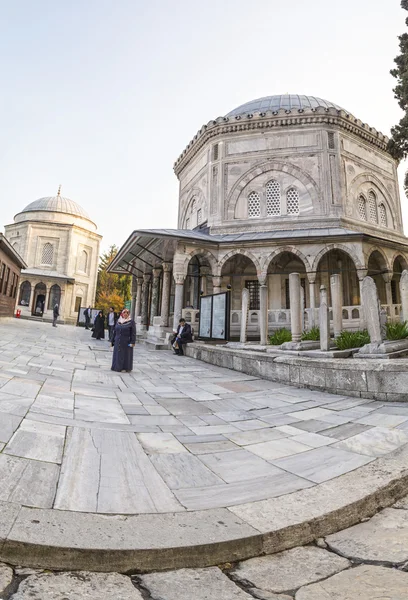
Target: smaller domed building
<point x="60" y="244"/>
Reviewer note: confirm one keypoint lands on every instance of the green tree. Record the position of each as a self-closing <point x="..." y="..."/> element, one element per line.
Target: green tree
<point x="112" y="289"/>
<point x="398" y="145"/>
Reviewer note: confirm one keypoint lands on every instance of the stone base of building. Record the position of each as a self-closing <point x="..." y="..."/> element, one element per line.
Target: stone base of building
<point x="374" y="379"/>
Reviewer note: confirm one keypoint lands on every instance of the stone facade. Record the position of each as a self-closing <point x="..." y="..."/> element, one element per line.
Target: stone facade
<point x="10" y="268"/>
<point x="281" y="185"/>
<point x="60" y="245"/>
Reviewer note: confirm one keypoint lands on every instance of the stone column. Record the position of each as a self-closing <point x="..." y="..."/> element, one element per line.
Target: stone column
<point x="145" y="301"/>
<point x="337" y="303"/>
<point x="324" y="320"/>
<point x="263" y="312"/>
<point x="369" y="299"/>
<point x="361" y="274"/>
<point x="47" y="295"/>
<point x="302" y="309"/>
<point x="204" y="272"/>
<point x="155" y="295"/>
<point x="295" y="308"/>
<point x="216" y="285"/>
<point x="404" y="294"/>
<point x="387" y="279"/>
<point x="134" y="293"/>
<point x="138" y="308"/>
<point x="312" y="320"/>
<point x="178" y="298"/>
<point x="165" y="304"/>
<point x="244" y="315"/>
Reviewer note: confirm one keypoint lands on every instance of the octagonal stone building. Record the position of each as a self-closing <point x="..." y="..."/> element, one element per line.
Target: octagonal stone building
<point x="280" y="184"/>
<point x="60" y="244"/>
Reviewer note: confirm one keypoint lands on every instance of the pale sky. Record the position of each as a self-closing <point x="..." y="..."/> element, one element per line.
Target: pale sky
<point x="103" y="95"/>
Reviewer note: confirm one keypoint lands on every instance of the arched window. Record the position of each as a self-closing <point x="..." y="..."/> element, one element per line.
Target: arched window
<point x="199" y="216"/>
<point x="193" y="205"/>
<point x="25" y="293"/>
<point x="254" y="205"/>
<point x="273" y="198"/>
<point x="83" y="261"/>
<point x="47" y="255"/>
<point x="383" y="215"/>
<point x="55" y="296"/>
<point x="292" y="201"/>
<point x="362" y="208"/>
<point x="372" y="207"/>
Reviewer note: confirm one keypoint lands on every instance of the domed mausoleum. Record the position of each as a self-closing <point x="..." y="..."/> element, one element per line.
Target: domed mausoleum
<point x="60" y="244"/>
<point x="280" y="184"/>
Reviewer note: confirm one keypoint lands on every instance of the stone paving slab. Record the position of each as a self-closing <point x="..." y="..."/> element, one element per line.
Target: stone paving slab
<point x="363" y="583"/>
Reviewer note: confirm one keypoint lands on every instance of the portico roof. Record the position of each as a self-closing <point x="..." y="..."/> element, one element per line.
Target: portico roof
<point x="141" y="249"/>
<point x="43" y="273"/>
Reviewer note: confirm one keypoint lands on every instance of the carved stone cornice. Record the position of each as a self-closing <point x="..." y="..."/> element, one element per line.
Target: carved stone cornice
<point x="282" y="118"/>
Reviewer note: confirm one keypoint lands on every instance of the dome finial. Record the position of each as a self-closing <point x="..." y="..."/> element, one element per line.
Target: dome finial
<point x="59" y="190"/>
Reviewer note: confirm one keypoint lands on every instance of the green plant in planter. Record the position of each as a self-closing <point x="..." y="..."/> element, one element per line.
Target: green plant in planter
<point x="352" y="339"/>
<point x="280" y="336"/>
<point x="313" y="335"/>
<point x="396" y="331"/>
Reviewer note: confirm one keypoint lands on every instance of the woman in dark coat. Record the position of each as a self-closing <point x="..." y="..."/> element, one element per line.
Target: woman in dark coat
<point x="123" y="342"/>
<point x="99" y="326"/>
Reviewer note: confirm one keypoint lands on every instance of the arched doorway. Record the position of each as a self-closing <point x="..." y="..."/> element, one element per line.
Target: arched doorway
<point x="38" y="305"/>
<point x="377" y="267"/>
<point x="339" y="262"/>
<point x="25" y="294"/>
<point x="398" y="266"/>
<point x="55" y="296"/>
<point x="239" y="272"/>
<point x="198" y="281"/>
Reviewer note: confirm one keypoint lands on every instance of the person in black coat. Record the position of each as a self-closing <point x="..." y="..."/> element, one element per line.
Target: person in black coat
<point x="111" y="319"/>
<point x="123" y="342"/>
<point x="99" y="326"/>
<point x="183" y="336"/>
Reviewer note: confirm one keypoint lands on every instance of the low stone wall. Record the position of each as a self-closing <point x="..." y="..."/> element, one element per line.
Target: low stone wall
<point x="374" y="378"/>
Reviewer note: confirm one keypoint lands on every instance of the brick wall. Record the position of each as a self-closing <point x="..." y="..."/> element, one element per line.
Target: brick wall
<point x="9" y="277"/>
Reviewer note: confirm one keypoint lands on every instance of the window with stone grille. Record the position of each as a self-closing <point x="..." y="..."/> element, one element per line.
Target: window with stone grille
<point x="215" y="152"/>
<point x="253" y="288"/>
<point x="83" y="261"/>
<point x="254" y="205"/>
<point x="372" y="207"/>
<point x="292" y="201"/>
<point x="383" y="215"/>
<point x="47" y="255"/>
<point x="362" y="208"/>
<point x="199" y="216"/>
<point x="273" y="198"/>
<point x="330" y="138"/>
<point x="193" y="205"/>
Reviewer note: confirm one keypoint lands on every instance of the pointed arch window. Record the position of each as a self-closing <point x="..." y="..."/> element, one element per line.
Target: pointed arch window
<point x="83" y="261"/>
<point x="362" y="208"/>
<point x="47" y="255"/>
<point x="273" y="198"/>
<point x="372" y="207"/>
<point x="292" y="201"/>
<point x="383" y="215"/>
<point x="254" y="205"/>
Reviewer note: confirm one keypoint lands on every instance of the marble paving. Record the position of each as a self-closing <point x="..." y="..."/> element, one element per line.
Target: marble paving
<point x="174" y="435"/>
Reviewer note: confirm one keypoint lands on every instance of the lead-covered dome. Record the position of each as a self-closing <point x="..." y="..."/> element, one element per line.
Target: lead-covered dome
<point x="56" y="204"/>
<point x="286" y="102"/>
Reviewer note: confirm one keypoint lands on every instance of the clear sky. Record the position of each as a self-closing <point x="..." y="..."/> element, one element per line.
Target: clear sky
<point x="103" y="95"/>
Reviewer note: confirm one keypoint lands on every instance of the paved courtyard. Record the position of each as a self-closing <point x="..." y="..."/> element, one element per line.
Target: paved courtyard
<point x="175" y="435"/>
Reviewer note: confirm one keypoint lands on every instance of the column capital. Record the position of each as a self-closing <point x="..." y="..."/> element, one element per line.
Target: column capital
<point x="139" y="281"/>
<point x="156" y="273"/>
<point x="311" y="277"/>
<point x="179" y="278"/>
<point x="263" y="277"/>
<point x="388" y="276"/>
<point x="167" y="267"/>
<point x="146" y="277"/>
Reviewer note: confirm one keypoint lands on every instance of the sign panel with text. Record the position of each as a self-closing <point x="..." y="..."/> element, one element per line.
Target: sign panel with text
<point x="215" y="317"/>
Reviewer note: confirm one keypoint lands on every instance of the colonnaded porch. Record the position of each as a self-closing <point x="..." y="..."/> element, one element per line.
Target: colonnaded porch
<point x="173" y="288"/>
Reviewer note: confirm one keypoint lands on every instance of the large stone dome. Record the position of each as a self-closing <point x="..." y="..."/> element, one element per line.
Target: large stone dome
<point x="286" y="102"/>
<point x="56" y="204"/>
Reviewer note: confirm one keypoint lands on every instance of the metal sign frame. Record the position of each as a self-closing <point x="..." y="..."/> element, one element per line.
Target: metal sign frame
<point x="211" y="300"/>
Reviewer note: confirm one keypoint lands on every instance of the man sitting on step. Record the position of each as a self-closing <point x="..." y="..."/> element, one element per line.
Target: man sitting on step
<point x="183" y="336"/>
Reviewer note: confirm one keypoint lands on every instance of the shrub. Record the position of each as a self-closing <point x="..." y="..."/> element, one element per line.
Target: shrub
<point x="352" y="339"/>
<point x="280" y="336"/>
<point x="313" y="335"/>
<point x="396" y="331"/>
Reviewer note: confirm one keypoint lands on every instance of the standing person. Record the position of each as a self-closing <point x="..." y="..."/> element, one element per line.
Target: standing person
<point x="183" y="336"/>
<point x="111" y="321"/>
<point x="123" y="342"/>
<point x="99" y="326"/>
<point x="87" y="315"/>
<point x="55" y="314"/>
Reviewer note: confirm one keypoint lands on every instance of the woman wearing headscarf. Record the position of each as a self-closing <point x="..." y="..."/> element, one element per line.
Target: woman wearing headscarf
<point x="98" y="330"/>
<point x="123" y="342"/>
